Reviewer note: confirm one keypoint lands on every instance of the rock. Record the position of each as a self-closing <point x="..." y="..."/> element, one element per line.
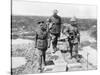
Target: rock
<point x="18" y="61"/>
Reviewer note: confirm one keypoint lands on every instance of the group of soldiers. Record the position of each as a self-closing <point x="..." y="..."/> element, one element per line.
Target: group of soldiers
<point x="50" y="32"/>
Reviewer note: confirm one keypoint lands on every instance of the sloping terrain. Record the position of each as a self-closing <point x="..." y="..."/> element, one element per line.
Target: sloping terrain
<point x="24" y="50"/>
<point x="25" y="56"/>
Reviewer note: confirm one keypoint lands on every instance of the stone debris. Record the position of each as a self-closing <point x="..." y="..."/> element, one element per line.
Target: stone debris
<point x="58" y="61"/>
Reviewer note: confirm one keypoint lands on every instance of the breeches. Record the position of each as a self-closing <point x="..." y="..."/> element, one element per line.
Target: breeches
<point x="73" y="49"/>
<point x="42" y="56"/>
<point x="54" y="40"/>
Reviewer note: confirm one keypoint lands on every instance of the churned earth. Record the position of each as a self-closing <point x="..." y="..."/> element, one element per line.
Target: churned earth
<point x="25" y="58"/>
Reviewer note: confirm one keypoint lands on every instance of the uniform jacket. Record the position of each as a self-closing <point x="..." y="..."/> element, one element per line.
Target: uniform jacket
<point x="56" y="24"/>
<point x="41" y="40"/>
<point x="72" y="32"/>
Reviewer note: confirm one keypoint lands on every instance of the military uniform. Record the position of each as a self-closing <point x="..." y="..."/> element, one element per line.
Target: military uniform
<point x="72" y="32"/>
<point x="55" y="29"/>
<point x="41" y="43"/>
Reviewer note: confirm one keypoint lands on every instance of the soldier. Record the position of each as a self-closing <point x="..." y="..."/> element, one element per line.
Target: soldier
<point x="54" y="28"/>
<point x="41" y="43"/>
<point x="72" y="32"/>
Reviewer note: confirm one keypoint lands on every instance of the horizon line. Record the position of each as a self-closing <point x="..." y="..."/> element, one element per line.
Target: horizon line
<point x="49" y="16"/>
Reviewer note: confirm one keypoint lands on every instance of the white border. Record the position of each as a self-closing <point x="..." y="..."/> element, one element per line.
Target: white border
<point x="5" y="35"/>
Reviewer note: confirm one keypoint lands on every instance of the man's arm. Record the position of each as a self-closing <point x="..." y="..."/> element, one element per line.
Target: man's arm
<point x="49" y="39"/>
<point x="49" y="23"/>
<point x="78" y="35"/>
<point x="49" y="20"/>
<point x="66" y="30"/>
<point x="60" y="23"/>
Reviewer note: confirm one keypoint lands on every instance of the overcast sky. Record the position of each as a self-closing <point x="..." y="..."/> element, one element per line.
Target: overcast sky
<point x="25" y="7"/>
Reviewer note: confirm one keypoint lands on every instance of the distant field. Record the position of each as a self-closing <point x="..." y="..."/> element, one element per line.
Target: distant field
<point x="30" y="21"/>
<point x="23" y="24"/>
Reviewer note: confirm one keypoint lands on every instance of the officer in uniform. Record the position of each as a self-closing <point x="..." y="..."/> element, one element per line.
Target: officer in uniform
<point x="73" y="35"/>
<point x="41" y="43"/>
<point x="54" y="28"/>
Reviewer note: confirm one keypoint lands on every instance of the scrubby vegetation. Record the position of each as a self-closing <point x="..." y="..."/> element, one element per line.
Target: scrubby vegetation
<point x="29" y="24"/>
<point x="27" y="51"/>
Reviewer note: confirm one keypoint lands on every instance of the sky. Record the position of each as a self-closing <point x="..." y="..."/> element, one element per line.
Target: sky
<point x="30" y="8"/>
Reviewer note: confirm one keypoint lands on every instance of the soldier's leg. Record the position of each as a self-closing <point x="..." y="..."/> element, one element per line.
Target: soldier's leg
<point x="40" y="60"/>
<point x="44" y="57"/>
<point x="75" y="50"/>
<point x="67" y="45"/>
<point x="54" y="42"/>
<point x="71" y="49"/>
